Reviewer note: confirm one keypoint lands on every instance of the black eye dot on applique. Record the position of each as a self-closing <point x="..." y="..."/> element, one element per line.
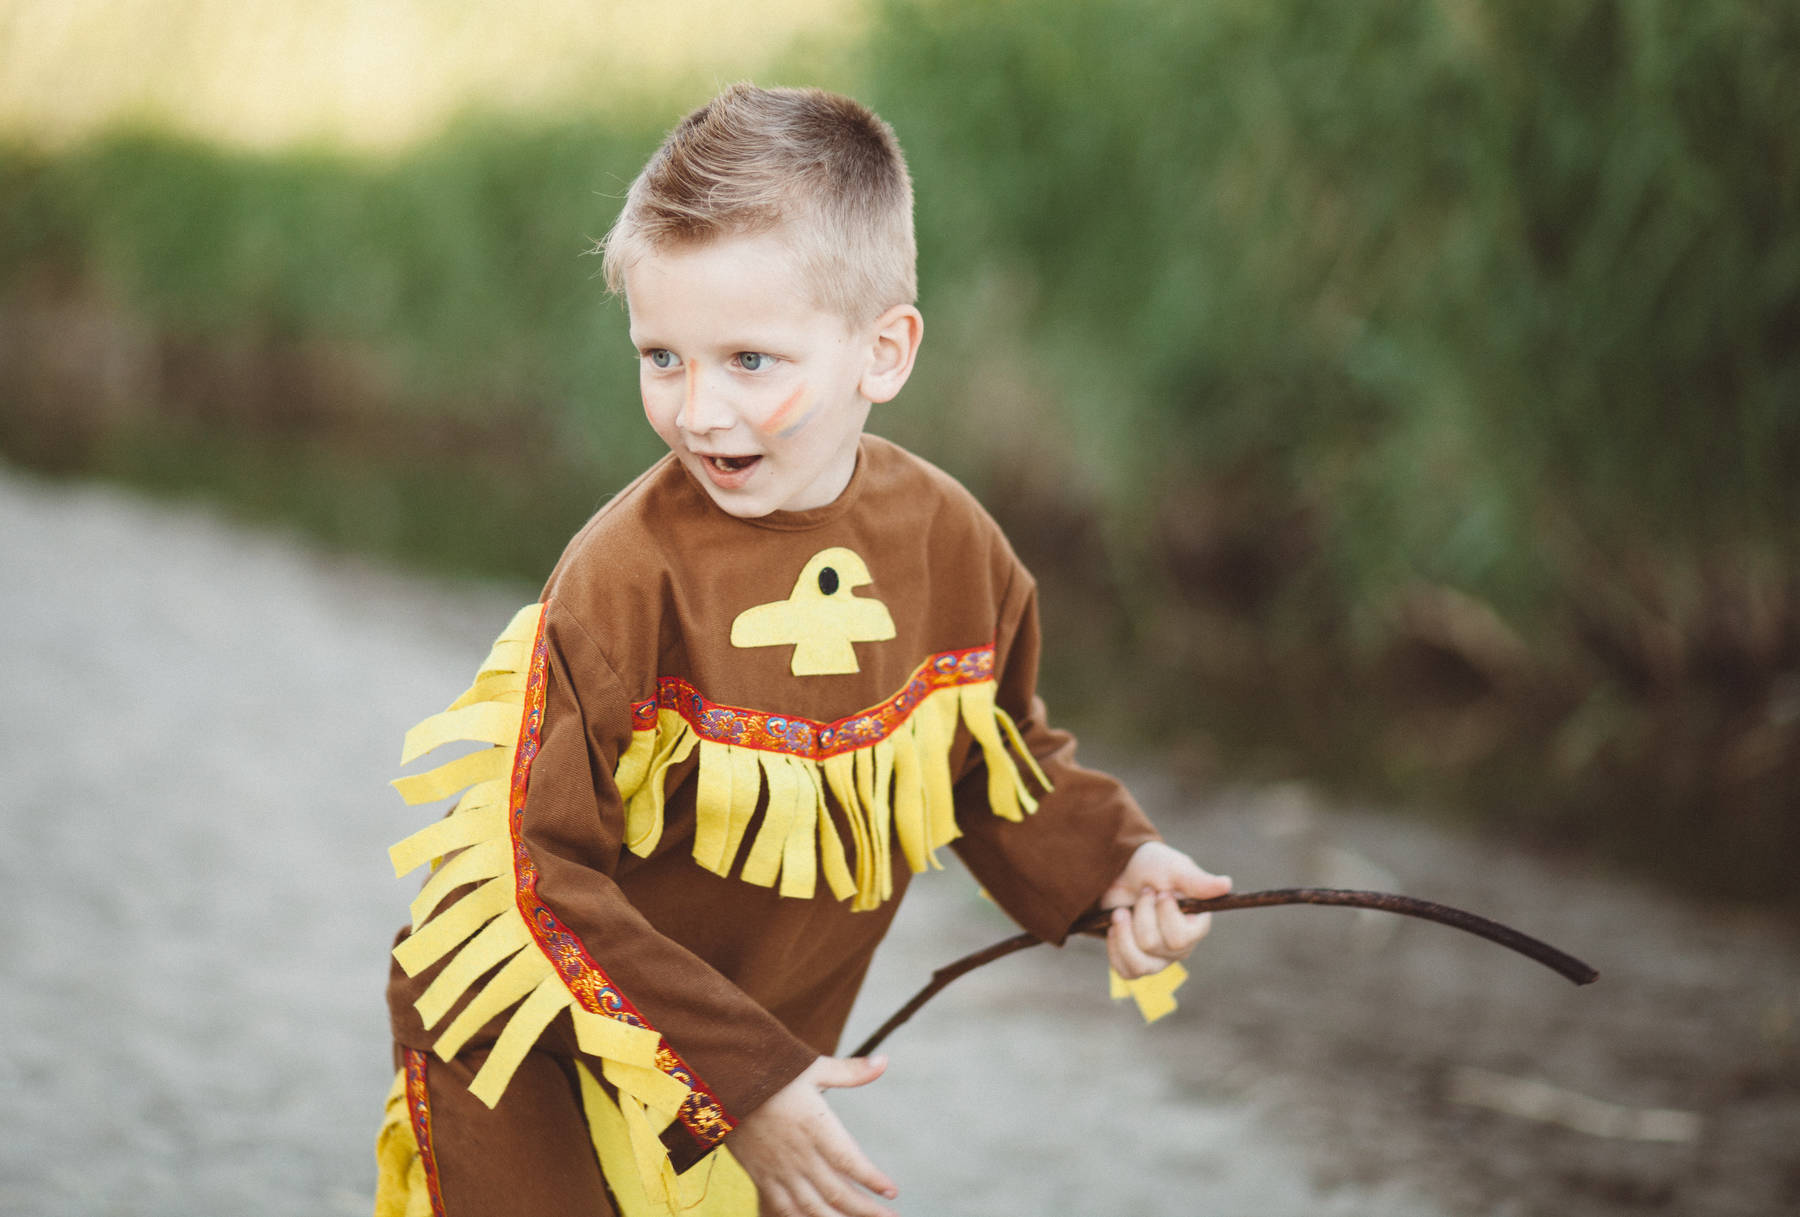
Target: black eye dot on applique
<point x="828" y="581"/>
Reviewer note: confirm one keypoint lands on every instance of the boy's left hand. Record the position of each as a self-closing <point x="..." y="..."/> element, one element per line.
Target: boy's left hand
<point x="1149" y="931"/>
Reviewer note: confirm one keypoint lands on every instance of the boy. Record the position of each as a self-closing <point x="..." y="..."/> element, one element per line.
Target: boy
<point x="765" y="683"/>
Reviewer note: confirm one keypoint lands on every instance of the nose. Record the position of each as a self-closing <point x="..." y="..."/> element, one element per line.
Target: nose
<point x="703" y="408"/>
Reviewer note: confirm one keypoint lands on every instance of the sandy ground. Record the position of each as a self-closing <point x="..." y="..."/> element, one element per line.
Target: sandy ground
<point x="197" y="726"/>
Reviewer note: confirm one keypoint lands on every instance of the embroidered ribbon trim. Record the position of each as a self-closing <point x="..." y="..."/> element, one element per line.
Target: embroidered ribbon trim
<point x="887" y="769"/>
<point x="543" y="968"/>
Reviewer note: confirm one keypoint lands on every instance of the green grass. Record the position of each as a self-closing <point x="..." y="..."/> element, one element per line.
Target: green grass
<point x="1403" y="393"/>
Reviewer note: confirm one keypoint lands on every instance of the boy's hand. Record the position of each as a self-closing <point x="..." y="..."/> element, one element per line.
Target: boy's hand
<point x="801" y="1158"/>
<point x="1149" y="931"/>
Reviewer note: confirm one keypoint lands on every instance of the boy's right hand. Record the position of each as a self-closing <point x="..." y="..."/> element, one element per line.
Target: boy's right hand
<point x="801" y="1158"/>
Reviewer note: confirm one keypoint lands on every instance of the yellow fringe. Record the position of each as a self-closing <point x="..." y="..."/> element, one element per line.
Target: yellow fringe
<point x="400" y="1189"/>
<point x="898" y="788"/>
<point x="630" y="1154"/>
<point x="484" y="930"/>
<point x="1154" y="994"/>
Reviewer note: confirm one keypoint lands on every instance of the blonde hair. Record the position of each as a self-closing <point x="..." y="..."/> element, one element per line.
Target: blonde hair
<point x="821" y="168"/>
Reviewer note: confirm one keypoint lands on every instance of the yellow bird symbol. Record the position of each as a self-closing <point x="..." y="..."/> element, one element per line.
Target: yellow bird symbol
<point x="820" y="619"/>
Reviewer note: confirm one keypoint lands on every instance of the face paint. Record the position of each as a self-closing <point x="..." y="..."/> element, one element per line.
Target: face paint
<point x="687" y="402"/>
<point x="783" y="421"/>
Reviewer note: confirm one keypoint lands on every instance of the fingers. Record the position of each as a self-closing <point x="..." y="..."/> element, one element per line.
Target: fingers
<point x="1152" y="933"/>
<point x="1122" y="951"/>
<point x="848" y="1162"/>
<point x="1203" y="884"/>
<point x="819" y="1196"/>
<point x="834" y="1162"/>
<point x="838" y="1073"/>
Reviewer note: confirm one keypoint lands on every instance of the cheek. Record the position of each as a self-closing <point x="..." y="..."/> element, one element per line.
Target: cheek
<point x="791" y="415"/>
<point x="660" y="405"/>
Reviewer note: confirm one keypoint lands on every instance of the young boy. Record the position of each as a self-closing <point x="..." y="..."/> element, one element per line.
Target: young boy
<point x="764" y="684"/>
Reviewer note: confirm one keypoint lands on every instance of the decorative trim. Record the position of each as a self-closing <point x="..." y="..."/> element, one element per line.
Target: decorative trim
<point x="805" y="738"/>
<point x="502" y="948"/>
<point x="702" y="1114"/>
<point x="418" y="1108"/>
<point x="886" y="770"/>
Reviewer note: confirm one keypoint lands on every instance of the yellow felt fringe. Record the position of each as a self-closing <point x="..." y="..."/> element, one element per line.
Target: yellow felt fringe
<point x="898" y="788"/>
<point x="400" y="1189"/>
<point x="630" y="1155"/>
<point x="484" y="929"/>
<point x="1154" y="994"/>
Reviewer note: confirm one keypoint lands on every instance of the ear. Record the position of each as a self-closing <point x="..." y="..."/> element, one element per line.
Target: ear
<point x="894" y="341"/>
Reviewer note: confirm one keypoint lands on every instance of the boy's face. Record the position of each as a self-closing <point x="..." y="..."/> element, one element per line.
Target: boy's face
<point x="760" y="393"/>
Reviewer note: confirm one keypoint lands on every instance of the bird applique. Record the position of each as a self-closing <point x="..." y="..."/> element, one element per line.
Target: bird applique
<point x="820" y="618"/>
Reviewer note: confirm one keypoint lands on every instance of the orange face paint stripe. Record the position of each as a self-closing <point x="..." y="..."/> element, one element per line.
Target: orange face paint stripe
<point x="777" y="423"/>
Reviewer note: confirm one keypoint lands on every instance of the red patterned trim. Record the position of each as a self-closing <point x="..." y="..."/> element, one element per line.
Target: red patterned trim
<point x="418" y="1107"/>
<point x="702" y="1115"/>
<point x="803" y="737"/>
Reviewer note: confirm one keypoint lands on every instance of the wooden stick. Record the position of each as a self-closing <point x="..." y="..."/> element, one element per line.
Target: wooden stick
<point x="1095" y="924"/>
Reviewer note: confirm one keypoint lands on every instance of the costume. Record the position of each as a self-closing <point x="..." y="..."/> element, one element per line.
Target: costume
<point x="718" y="748"/>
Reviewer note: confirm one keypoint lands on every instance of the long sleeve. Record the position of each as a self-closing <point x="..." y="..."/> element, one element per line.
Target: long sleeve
<point x="580" y="970"/>
<point x="1048" y="868"/>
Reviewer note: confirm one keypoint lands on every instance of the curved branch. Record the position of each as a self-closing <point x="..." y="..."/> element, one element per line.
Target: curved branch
<point x="1095" y="923"/>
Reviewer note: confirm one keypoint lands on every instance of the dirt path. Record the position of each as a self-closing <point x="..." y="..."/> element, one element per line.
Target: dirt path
<point x="198" y="723"/>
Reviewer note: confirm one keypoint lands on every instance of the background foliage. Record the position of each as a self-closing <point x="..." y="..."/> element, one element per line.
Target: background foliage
<point x="1402" y="394"/>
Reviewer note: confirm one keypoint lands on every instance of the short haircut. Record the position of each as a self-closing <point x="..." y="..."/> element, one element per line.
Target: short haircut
<point x="823" y="169"/>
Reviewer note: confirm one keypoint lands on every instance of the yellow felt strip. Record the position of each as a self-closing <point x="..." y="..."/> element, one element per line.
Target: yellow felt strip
<point x="716" y="1186"/>
<point x="831" y="849"/>
<point x="868" y="858"/>
<point x="746" y="787"/>
<point x="884" y="816"/>
<point x="1154" y="994"/>
<point x="712" y="807"/>
<point x="648" y="1084"/>
<point x="524" y="623"/>
<point x="487" y="764"/>
<point x="489" y="722"/>
<point x="396" y="1156"/>
<point x="764" y="860"/>
<point x="463" y="827"/>
<point x="548" y="1000"/>
<point x="799" y="859"/>
<point x="508" y="687"/>
<point x="598" y="1035"/>
<point x="909" y="803"/>
<point x="522" y="973"/>
<point x="1002" y="774"/>
<point x="498" y="939"/>
<point x="634" y="763"/>
<point x="840" y="776"/>
<point x="611" y="1137"/>
<point x="1018" y="743"/>
<point x="654" y="1170"/>
<point x="506" y="655"/>
<point x="612" y="1145"/>
<point x="482" y="860"/>
<point x="432" y="941"/>
<point x="644" y="815"/>
<point x="935" y="731"/>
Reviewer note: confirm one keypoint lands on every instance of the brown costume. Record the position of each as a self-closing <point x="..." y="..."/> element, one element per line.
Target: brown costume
<point x="738" y="738"/>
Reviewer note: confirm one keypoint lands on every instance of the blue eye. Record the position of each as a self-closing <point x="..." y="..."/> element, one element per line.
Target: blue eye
<point x="661" y="358"/>
<point x="754" y="361"/>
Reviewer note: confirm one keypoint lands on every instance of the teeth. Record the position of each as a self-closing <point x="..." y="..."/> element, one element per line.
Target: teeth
<point x="730" y="464"/>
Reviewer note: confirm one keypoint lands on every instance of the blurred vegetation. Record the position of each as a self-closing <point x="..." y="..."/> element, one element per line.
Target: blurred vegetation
<point x="1402" y="394"/>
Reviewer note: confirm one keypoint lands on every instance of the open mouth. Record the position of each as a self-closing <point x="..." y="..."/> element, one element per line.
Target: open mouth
<point x="732" y="464"/>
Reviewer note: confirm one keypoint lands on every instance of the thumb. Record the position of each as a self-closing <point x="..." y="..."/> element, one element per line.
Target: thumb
<point x="842" y="1072"/>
